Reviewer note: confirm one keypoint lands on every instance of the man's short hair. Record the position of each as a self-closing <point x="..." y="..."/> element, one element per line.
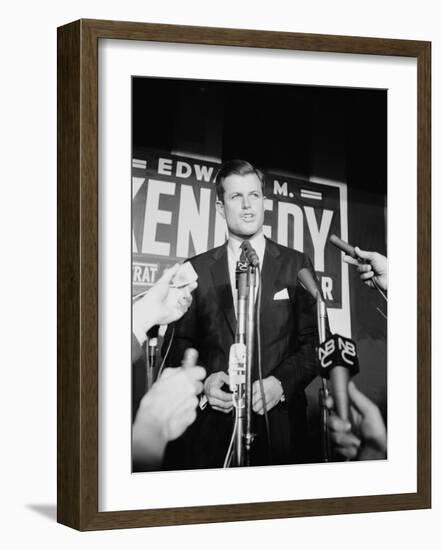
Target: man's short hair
<point x="239" y="168"/>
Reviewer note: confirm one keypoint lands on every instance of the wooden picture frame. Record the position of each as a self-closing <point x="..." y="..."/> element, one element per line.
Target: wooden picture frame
<point x="77" y="225"/>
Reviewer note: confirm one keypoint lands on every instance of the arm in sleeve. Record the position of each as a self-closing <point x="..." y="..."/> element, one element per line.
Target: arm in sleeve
<point x="181" y="335"/>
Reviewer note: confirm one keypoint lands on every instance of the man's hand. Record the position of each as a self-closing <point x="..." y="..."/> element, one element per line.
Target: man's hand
<point x="162" y="304"/>
<point x="369" y="438"/>
<point x="344" y="442"/>
<point x="172" y="401"/>
<point x="273" y="393"/>
<point x="375" y="269"/>
<point x="218" y="399"/>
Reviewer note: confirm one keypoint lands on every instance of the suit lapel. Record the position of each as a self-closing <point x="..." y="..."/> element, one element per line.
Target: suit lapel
<point x="221" y="281"/>
<point x="270" y="269"/>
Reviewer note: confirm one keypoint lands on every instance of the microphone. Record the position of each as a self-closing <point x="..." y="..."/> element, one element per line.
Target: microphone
<point x="342" y="245"/>
<point x="338" y="359"/>
<point x="151" y="354"/>
<point x="190" y="358"/>
<point x="307" y="280"/>
<point x="250" y="252"/>
<point x="237" y="366"/>
<point x="153" y="332"/>
<point x="241" y="277"/>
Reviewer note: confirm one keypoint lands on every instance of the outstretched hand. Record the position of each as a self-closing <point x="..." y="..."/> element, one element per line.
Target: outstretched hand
<point x="161" y="304"/>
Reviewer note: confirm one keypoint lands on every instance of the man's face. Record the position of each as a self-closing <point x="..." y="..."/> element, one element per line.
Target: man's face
<point x="243" y="206"/>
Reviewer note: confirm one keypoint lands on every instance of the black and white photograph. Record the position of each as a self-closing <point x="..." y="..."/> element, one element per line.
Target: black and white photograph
<point x="259" y="274"/>
<point x="221" y="257"/>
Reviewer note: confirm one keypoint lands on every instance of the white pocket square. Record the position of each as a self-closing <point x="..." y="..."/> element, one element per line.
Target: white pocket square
<point x="281" y="295"/>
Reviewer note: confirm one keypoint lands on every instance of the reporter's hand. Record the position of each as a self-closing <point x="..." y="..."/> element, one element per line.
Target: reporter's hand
<point x="366" y="437"/>
<point x="165" y="412"/>
<point x="162" y="304"/>
<point x="344" y="442"/>
<point x="218" y="399"/>
<point x="369" y="425"/>
<point x="375" y="269"/>
<point x="172" y="401"/>
<point x="273" y="393"/>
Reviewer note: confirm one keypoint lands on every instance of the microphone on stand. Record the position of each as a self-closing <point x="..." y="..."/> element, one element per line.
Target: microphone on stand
<point x="237" y="361"/>
<point x="339" y="361"/>
<point x="250" y="252"/>
<point x="237" y="365"/>
<point x="309" y="282"/>
<point x="337" y="354"/>
<point x="241" y="357"/>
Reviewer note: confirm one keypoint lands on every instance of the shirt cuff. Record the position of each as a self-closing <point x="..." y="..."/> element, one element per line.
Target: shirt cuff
<point x="282" y="399"/>
<point x="203" y="402"/>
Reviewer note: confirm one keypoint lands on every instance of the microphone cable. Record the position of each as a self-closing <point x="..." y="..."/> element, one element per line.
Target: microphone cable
<point x="381" y="292"/>
<point x="229" y="454"/>
<point x="378" y="288"/>
<point x="160" y="370"/>
<point x="259" y="350"/>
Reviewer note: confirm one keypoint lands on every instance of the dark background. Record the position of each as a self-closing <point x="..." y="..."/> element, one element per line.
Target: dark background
<point x="334" y="133"/>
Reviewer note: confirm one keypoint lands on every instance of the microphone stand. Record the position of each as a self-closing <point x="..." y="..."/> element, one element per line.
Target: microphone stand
<point x="321" y="313"/>
<point x="242" y="392"/>
<point x="250" y="332"/>
<point x="310" y="284"/>
<point x="244" y="339"/>
<point x="239" y="360"/>
<point x="241" y="357"/>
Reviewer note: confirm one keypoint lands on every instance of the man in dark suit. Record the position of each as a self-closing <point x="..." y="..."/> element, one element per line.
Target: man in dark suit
<point x="288" y="336"/>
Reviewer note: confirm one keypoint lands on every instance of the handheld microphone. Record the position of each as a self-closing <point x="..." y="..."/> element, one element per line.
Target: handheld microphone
<point x="339" y="361"/>
<point x="342" y="245"/>
<point x="350" y="251"/>
<point x="250" y="252"/>
<point x="152" y="333"/>
<point x="190" y="358"/>
<point x="151" y="354"/>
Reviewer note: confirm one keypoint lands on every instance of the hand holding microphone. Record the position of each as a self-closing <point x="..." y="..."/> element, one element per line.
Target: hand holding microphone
<point x="166" y="301"/>
<point x="373" y="270"/>
<point x="166" y="411"/>
<point x="372" y="266"/>
<point x="365" y="438"/>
